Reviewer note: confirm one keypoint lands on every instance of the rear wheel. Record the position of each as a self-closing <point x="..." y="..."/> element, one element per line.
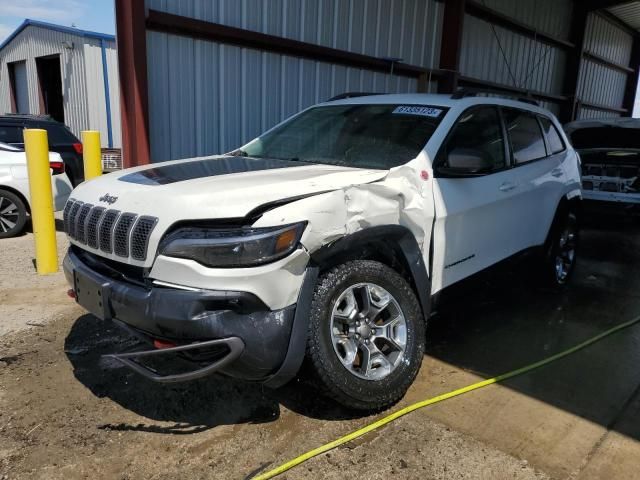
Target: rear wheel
<point x="366" y="335"/>
<point x="561" y="252"/>
<point x="13" y="214"/>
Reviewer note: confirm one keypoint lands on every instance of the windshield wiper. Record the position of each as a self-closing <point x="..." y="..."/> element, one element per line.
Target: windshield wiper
<point x="238" y="153"/>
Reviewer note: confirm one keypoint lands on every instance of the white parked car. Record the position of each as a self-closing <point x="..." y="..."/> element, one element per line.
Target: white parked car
<point x="14" y="188"/>
<point x="327" y="237"/>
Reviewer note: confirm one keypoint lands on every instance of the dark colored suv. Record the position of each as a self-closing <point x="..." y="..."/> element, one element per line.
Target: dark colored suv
<point x="61" y="140"/>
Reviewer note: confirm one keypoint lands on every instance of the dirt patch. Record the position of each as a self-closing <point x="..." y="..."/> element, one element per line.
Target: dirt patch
<point x="66" y="413"/>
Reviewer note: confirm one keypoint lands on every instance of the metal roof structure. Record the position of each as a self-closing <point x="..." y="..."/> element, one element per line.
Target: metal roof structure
<point x="58" y="28"/>
<point x="628" y="12"/>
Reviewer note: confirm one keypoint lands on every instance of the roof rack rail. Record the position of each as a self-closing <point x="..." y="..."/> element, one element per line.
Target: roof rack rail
<point x="342" y="96"/>
<point x="475" y="92"/>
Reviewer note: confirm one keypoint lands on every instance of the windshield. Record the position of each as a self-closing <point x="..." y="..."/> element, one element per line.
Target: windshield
<point x="363" y="136"/>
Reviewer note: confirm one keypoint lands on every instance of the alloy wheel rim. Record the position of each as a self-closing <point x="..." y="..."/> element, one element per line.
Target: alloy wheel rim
<point x="368" y="331"/>
<point x="9" y="215"/>
<point x="566" y="254"/>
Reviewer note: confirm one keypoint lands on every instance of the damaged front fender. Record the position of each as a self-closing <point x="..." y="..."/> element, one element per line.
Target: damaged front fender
<point x="399" y="208"/>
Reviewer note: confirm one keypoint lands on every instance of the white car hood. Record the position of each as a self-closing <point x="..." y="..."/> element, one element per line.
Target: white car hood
<point x="211" y="188"/>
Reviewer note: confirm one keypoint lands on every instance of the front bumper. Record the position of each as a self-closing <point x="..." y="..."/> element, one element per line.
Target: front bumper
<point x="233" y="332"/>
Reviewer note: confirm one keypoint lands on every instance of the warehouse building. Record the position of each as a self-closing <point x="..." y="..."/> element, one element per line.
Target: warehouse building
<point x="67" y="73"/>
<point x="202" y="77"/>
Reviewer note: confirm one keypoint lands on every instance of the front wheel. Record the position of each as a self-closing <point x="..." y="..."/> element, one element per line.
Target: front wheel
<point x="366" y="335"/>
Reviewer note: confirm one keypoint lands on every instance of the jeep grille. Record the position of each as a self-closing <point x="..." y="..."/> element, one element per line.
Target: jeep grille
<point x="111" y="231"/>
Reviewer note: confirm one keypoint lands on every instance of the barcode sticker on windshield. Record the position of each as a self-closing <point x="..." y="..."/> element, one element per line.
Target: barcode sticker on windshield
<point x="418" y="110"/>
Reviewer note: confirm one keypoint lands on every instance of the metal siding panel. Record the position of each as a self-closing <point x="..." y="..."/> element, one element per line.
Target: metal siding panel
<point x="383" y="28"/>
<point x="605" y="39"/>
<point x="599" y="83"/>
<point x="251" y="91"/>
<point x="95" y="90"/>
<point x="529" y="64"/>
<point x="114" y="94"/>
<point x="35" y="42"/>
<point x="207" y="98"/>
<point x="549" y="16"/>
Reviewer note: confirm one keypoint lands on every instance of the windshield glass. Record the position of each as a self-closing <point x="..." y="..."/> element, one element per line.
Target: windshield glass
<point x="363" y="136"/>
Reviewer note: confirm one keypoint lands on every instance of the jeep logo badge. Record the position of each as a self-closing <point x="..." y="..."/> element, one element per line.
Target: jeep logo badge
<point x="108" y="199"/>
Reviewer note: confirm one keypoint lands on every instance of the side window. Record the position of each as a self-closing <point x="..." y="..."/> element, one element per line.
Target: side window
<point x="11" y="134"/>
<point x="554" y="140"/>
<point x="477" y="137"/>
<point x="527" y="143"/>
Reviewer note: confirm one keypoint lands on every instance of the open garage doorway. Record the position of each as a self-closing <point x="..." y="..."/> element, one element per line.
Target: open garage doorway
<point x="50" y="86"/>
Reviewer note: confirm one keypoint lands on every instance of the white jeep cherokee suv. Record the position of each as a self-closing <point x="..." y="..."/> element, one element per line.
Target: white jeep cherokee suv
<point x="324" y="239"/>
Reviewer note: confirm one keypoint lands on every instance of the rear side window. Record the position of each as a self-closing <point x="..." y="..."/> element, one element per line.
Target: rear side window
<point x="526" y="138"/>
<point x="59" y="135"/>
<point x="554" y="141"/>
<point x="477" y="130"/>
<point x="11" y="134"/>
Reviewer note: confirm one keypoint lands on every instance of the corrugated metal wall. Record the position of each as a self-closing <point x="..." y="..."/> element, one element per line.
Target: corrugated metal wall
<point x="600" y="84"/>
<point x="96" y="92"/>
<point x="81" y="69"/>
<point x="523" y="62"/>
<point x="205" y="97"/>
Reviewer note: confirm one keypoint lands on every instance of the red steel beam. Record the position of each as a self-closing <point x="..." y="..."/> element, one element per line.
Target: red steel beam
<point x="451" y="44"/>
<point x="132" y="65"/>
<point x="215" y="32"/>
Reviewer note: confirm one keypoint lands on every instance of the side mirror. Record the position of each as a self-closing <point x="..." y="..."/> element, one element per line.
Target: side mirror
<point x="466" y="161"/>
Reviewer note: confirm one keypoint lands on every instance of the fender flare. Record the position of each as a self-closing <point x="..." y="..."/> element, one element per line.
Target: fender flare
<point x="387" y="241"/>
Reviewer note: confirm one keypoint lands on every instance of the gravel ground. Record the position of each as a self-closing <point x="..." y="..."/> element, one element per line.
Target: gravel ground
<point x="27" y="299"/>
<point x="67" y="413"/>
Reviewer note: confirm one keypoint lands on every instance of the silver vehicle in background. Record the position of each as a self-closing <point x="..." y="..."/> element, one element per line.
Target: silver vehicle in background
<point x="610" y="154"/>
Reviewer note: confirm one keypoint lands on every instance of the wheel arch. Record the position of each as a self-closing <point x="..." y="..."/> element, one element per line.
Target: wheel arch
<point x="392" y="245"/>
<point x="565" y="206"/>
<point x="18" y="194"/>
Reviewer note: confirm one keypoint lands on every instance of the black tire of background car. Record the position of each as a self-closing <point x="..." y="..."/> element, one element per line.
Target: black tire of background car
<point x="565" y="219"/>
<point x="322" y="362"/>
<point x="21" y="211"/>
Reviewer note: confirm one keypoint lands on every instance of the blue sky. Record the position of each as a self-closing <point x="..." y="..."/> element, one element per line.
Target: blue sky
<point x="95" y="15"/>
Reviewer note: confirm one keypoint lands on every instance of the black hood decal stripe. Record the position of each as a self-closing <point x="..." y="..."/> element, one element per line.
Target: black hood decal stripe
<point x="208" y="167"/>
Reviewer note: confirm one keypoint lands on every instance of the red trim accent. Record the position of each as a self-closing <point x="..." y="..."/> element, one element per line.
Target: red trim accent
<point x="132" y="64"/>
<point x="161" y="344"/>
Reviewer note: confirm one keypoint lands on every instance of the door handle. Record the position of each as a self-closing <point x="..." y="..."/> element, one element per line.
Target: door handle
<point x="557" y="172"/>
<point x="507" y="186"/>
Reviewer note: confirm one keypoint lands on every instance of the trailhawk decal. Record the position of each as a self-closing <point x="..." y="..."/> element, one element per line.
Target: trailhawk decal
<point x="417" y="110"/>
<point x="460" y="261"/>
<point x="209" y="167"/>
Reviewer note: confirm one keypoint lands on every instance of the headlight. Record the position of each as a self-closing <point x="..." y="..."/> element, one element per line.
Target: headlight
<point x="239" y="247"/>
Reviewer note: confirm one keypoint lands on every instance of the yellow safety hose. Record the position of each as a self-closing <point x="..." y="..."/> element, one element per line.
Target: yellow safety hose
<point x="445" y="396"/>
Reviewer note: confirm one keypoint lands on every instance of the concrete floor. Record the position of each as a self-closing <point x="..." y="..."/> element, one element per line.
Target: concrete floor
<point x="64" y="413"/>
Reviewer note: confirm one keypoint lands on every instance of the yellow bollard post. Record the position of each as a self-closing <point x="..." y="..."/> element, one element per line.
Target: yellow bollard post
<point x="36" y="147"/>
<point x="92" y="154"/>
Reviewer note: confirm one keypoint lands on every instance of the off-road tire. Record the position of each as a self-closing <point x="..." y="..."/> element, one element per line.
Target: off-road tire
<point x="565" y="222"/>
<point x="322" y="361"/>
